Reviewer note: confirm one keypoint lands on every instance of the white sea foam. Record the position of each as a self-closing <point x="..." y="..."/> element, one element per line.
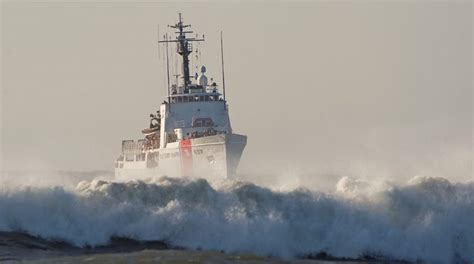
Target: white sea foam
<point x="429" y="219"/>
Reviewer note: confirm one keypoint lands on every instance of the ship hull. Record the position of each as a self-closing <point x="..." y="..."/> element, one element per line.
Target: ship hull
<point x="211" y="157"/>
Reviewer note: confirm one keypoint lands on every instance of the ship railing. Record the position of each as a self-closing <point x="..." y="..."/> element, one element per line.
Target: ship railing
<point x="131" y="147"/>
<point x="200" y="97"/>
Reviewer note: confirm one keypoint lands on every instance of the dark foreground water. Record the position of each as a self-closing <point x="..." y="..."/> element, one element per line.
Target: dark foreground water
<point x="20" y="247"/>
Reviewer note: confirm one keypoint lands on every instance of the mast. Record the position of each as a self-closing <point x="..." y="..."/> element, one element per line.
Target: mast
<point x="223" y="77"/>
<point x="168" y="68"/>
<point x="184" y="48"/>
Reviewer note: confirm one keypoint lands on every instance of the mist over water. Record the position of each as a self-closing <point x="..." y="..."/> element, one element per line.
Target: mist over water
<point x="428" y="219"/>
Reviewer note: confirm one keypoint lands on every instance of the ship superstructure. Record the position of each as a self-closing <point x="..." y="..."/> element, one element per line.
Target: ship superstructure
<point x="190" y="134"/>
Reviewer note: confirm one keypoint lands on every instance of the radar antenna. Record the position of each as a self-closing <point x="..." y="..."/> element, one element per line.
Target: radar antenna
<point x="184" y="48"/>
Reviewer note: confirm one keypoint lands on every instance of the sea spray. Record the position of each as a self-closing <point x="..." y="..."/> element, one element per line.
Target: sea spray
<point x="428" y="219"/>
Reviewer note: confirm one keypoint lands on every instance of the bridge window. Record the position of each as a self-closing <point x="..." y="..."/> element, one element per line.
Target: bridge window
<point x="203" y="122"/>
<point x="198" y="123"/>
<point x="185" y="99"/>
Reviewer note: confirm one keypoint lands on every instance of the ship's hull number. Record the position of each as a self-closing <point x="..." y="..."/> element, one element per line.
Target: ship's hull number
<point x="198" y="151"/>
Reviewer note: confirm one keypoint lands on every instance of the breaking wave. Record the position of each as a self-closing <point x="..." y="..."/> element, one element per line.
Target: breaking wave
<point x="427" y="219"/>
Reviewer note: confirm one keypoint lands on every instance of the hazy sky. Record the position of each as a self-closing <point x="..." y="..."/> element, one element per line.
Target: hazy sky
<point x="366" y="88"/>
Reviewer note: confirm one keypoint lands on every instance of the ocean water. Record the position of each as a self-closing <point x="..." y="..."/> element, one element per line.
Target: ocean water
<point x="425" y="219"/>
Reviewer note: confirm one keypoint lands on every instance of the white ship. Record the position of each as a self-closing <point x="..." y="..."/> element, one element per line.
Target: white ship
<point x="191" y="134"/>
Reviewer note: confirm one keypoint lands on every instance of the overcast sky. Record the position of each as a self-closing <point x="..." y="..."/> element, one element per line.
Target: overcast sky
<point x="364" y="89"/>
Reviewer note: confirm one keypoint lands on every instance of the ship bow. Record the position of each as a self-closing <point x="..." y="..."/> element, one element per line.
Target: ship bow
<point x="234" y="147"/>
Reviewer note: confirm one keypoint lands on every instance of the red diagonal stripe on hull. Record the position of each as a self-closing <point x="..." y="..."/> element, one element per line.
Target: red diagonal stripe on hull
<point x="186" y="157"/>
